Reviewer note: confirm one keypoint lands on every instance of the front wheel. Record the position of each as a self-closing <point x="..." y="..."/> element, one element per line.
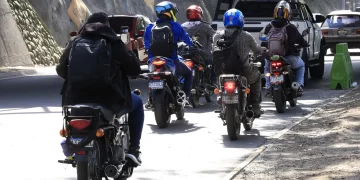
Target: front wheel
<point x="279" y="100"/>
<point x="317" y="72"/>
<point x="233" y="127"/>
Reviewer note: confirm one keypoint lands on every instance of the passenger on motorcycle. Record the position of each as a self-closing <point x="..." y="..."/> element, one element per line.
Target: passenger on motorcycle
<point x="166" y="26"/>
<point x="117" y="95"/>
<point x="244" y="43"/>
<point x="196" y="27"/>
<point x="282" y="17"/>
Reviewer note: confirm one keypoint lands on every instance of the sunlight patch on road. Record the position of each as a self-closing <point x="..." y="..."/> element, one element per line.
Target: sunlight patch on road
<point x="30" y="110"/>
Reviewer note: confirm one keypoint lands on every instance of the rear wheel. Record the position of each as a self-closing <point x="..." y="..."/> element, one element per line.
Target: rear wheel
<point x="195" y="98"/>
<point x="161" y="111"/>
<point x="280" y="101"/>
<point x="208" y="98"/>
<point x="85" y="170"/>
<point x="233" y="127"/>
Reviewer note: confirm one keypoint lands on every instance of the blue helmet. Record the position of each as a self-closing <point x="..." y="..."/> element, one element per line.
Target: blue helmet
<point x="234" y="17"/>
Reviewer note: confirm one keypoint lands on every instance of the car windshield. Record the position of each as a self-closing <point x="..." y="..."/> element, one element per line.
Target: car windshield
<point x="258" y="9"/>
<point x="339" y="21"/>
<point x="117" y="21"/>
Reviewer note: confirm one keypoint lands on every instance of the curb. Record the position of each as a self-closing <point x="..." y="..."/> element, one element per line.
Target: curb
<point x="18" y="73"/>
<point x="235" y="171"/>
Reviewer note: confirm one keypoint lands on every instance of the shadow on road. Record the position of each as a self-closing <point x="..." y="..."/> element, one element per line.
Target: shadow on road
<point x="176" y="127"/>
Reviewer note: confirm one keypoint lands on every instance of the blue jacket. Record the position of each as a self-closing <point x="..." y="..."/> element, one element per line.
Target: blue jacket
<point x="179" y="34"/>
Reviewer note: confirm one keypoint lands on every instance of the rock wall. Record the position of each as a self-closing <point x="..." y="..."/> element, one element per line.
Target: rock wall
<point x="13" y="51"/>
<point x="41" y="46"/>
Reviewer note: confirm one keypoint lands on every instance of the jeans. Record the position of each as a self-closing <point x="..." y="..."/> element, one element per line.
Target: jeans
<point x="295" y="62"/>
<point x="183" y="70"/>
<point x="136" y="123"/>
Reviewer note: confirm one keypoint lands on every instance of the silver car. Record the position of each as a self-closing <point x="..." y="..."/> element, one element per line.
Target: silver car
<point x="341" y="27"/>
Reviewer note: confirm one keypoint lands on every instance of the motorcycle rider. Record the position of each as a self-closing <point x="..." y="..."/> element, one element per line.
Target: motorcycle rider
<point x="282" y="17"/>
<point x="166" y="12"/>
<point x="244" y="43"/>
<point x="195" y="26"/>
<point x="118" y="95"/>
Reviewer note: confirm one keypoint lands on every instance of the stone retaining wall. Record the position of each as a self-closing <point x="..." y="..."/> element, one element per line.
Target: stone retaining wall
<point x="41" y="45"/>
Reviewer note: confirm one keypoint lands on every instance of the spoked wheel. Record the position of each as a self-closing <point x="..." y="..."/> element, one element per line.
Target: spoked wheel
<point x="233" y="127"/>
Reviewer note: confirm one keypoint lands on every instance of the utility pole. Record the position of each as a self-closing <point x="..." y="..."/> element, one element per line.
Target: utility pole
<point x="343" y="3"/>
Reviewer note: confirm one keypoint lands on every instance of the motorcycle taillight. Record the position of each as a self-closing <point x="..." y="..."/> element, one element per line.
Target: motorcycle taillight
<point x="229" y="86"/>
<point x="276" y="64"/>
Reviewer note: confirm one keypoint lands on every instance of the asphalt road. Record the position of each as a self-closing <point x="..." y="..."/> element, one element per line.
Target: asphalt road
<point x="197" y="148"/>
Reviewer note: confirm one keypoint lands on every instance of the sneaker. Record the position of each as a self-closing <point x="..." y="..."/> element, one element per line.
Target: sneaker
<point x="149" y="105"/>
<point x="134" y="157"/>
<point x="300" y="91"/>
<point x="268" y="92"/>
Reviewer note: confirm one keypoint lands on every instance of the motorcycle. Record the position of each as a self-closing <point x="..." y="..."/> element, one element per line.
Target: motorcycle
<point x="201" y="73"/>
<point x="100" y="141"/>
<point x="236" y="109"/>
<point x="282" y="80"/>
<point x="165" y="90"/>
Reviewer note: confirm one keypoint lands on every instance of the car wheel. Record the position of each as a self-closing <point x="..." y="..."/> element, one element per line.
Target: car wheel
<point x="333" y="50"/>
<point x="317" y="72"/>
<point x="304" y="57"/>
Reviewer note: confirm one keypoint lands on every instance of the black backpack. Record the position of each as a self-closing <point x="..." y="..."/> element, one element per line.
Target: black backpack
<point x="162" y="40"/>
<point x="89" y="63"/>
<point x="225" y="57"/>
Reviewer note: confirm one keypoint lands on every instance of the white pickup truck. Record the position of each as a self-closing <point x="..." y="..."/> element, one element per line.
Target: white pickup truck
<point x="259" y="13"/>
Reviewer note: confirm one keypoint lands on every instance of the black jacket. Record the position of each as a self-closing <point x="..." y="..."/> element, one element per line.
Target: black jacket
<point x="294" y="36"/>
<point x="124" y="63"/>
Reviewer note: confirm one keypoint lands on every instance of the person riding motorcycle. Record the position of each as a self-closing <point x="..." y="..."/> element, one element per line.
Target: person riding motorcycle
<point x="166" y="12"/>
<point x="117" y="95"/>
<point x="244" y="43"/>
<point x="196" y="27"/>
<point x="282" y="17"/>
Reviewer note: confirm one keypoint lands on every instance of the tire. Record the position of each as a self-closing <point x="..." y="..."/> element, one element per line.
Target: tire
<point x="233" y="127"/>
<point x="162" y="116"/>
<point x="317" y="72"/>
<point x="83" y="168"/>
<point x="247" y="126"/>
<point x="180" y="114"/>
<point x="333" y="50"/>
<point x="208" y="98"/>
<point x="305" y="59"/>
<point x="293" y="102"/>
<point x="280" y="101"/>
<point x="194" y="98"/>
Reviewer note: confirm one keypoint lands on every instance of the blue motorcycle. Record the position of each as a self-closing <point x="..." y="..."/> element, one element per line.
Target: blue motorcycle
<point x="165" y="90"/>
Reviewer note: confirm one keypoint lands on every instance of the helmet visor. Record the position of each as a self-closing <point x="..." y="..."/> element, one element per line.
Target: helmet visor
<point x="162" y="9"/>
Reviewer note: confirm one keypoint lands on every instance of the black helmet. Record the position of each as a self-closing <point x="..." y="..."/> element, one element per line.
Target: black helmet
<point x="166" y="8"/>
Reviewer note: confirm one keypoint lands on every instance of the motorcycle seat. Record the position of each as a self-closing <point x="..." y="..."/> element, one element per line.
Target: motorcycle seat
<point x="108" y="114"/>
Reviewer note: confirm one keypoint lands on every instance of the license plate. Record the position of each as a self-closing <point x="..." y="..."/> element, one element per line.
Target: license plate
<point x="78" y="140"/>
<point x="342" y="32"/>
<point x="156" y="84"/>
<point x="230" y="99"/>
<point x="276" y="79"/>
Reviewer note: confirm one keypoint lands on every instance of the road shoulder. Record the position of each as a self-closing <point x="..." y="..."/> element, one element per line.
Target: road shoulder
<point x="326" y="146"/>
<point x="16" y="72"/>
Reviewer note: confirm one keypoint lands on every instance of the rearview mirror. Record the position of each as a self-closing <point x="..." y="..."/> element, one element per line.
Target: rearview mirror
<point x="214" y="26"/>
<point x="72" y="34"/>
<point x="319" y="19"/>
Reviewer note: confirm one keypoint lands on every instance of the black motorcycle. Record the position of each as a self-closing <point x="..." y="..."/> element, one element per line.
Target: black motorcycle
<point x="165" y="89"/>
<point x="100" y="141"/>
<point x="201" y="72"/>
<point x="282" y="80"/>
<point x="236" y="109"/>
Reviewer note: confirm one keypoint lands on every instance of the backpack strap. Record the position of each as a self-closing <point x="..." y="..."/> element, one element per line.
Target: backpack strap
<point x="232" y="38"/>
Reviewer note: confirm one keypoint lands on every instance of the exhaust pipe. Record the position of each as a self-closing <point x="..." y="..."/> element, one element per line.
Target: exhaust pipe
<point x="181" y="98"/>
<point x="295" y="86"/>
<point x="112" y="171"/>
<point x="249" y="114"/>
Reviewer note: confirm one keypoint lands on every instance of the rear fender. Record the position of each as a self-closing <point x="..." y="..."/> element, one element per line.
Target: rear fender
<point x="277" y="86"/>
<point x="82" y="158"/>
